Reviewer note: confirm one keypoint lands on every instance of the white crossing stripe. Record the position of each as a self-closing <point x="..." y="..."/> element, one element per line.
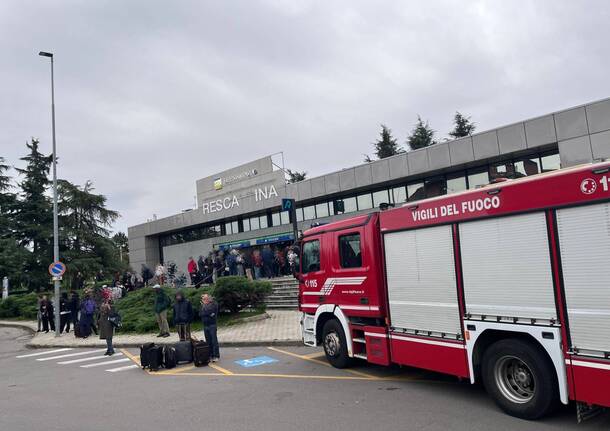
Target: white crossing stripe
<point x="97" y="364"/>
<point x="127" y="367"/>
<point x="88" y="352"/>
<point x="91" y="358"/>
<point x="48" y="352"/>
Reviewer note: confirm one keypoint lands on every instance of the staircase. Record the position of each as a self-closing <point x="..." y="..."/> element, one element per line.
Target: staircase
<point x="285" y="294"/>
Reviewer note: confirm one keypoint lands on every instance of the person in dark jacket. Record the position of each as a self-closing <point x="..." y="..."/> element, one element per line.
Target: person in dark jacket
<point x="87" y="311"/>
<point x="106" y="328"/>
<point x="73" y="307"/>
<point x="162" y="304"/>
<point x="209" y="318"/>
<point x="183" y="316"/>
<point x="47" y="313"/>
<point x="64" y="313"/>
<point x="267" y="261"/>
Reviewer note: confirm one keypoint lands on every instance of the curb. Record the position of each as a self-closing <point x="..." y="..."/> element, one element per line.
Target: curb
<point x="19" y="325"/>
<point x="263" y="343"/>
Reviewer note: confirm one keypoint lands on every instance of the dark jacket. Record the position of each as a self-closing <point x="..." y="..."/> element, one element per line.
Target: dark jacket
<point x="162" y="301"/>
<point x="74" y="304"/>
<point x="106" y="328"/>
<point x="209" y="313"/>
<point x="183" y="312"/>
<point x="267" y="256"/>
<point x="46" y="309"/>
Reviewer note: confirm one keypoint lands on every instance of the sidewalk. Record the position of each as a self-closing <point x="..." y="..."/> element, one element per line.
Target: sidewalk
<point x="281" y="328"/>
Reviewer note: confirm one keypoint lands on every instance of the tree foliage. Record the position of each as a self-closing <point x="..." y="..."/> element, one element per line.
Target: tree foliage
<point x="421" y="136"/>
<point x="462" y="126"/>
<point x="296" y="176"/>
<point x="385" y="146"/>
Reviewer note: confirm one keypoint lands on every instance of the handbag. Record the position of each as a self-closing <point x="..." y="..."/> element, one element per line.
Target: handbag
<point x="115" y="320"/>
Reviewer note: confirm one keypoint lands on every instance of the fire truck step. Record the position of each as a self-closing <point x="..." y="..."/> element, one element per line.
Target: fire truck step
<point x="359" y="340"/>
<point x="360" y="356"/>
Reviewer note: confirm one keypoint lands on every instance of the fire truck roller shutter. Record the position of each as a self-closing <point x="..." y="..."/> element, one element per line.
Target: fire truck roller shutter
<point x="421" y="280"/>
<point x="506" y="267"/>
<point x="584" y="243"/>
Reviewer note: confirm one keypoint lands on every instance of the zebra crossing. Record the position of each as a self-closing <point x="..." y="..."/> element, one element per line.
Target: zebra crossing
<point x="83" y="359"/>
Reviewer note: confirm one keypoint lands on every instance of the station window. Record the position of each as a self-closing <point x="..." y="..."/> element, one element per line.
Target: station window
<point x="365" y="202"/>
<point x="299" y="212"/>
<point x="380" y="197"/>
<point x="331" y="208"/>
<point x="349" y="251"/>
<point x="550" y="162"/>
<point x="436" y="186"/>
<point x="349" y="204"/>
<point x="322" y="210"/>
<point x="284" y="217"/>
<point x="311" y="256"/>
<point x="275" y="219"/>
<point x="245" y="225"/>
<point x="478" y="179"/>
<point x="228" y="229"/>
<point x="235" y="226"/>
<point x="254" y="223"/>
<point x="527" y="167"/>
<point x="309" y="213"/>
<point x="501" y="170"/>
<point x="399" y="195"/>
<point x="456" y="184"/>
<point x="263" y="221"/>
<point x="415" y="192"/>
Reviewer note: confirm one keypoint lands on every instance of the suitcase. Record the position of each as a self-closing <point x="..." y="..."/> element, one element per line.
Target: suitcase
<point x="169" y="357"/>
<point x="201" y="353"/>
<point x="155" y="358"/>
<point x="145" y="354"/>
<point x="77" y="333"/>
<point x="184" y="352"/>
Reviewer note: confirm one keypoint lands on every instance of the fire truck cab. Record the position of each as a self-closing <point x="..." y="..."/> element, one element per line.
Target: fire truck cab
<point x="507" y="284"/>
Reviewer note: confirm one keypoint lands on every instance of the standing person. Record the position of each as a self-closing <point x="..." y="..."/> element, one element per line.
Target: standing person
<point x="257" y="261"/>
<point x="106" y="328"/>
<point x="209" y="319"/>
<point x="38" y="312"/>
<point x="162" y="303"/>
<point x="47" y="313"/>
<point x="183" y="316"/>
<point x="267" y="261"/>
<point x="192" y="270"/>
<point x="64" y="313"/>
<point x="202" y="269"/>
<point x="160" y="273"/>
<point x="240" y="263"/>
<point x="146" y="274"/>
<point x="218" y="266"/>
<point x="73" y="306"/>
<point x="87" y="311"/>
<point x="232" y="262"/>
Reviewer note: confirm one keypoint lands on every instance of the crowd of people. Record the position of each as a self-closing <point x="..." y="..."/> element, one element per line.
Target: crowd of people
<point x="255" y="263"/>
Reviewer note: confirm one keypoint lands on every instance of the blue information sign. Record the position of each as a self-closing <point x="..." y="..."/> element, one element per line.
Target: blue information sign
<point x="287" y="204"/>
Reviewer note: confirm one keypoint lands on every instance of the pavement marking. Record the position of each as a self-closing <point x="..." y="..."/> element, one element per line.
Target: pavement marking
<point x="98" y="364"/>
<point x="134" y="358"/>
<point x="317" y="361"/>
<point x="71" y="354"/>
<point x="314" y="355"/>
<point x="127" y="367"/>
<point x="91" y="358"/>
<point x="48" y="352"/>
<point x="222" y="370"/>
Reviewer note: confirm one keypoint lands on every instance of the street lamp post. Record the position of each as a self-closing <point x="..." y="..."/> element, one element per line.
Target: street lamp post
<point x="55" y="222"/>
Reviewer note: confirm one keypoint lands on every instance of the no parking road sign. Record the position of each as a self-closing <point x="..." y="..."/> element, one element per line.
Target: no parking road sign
<point x="57" y="269"/>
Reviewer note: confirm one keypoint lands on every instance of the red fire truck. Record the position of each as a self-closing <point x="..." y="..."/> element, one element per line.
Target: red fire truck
<point x="508" y="284"/>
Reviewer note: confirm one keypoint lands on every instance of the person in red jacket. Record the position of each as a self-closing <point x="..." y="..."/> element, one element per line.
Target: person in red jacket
<point x="192" y="269"/>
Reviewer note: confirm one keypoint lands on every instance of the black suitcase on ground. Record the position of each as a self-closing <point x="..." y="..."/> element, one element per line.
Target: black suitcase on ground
<point x="155" y="358"/>
<point x="184" y="352"/>
<point x="77" y="333"/>
<point x="169" y="357"/>
<point x="201" y="353"/>
<point x="145" y="354"/>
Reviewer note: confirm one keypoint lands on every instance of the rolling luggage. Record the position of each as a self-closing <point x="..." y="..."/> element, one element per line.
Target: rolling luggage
<point x="201" y="353"/>
<point x="184" y="352"/>
<point x="77" y="333"/>
<point x="145" y="354"/>
<point x="155" y="358"/>
<point x="169" y="357"/>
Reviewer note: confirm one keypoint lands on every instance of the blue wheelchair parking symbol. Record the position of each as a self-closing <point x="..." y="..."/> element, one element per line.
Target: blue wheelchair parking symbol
<point x="255" y="362"/>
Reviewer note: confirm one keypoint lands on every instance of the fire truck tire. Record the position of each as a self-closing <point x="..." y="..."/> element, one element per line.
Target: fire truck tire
<point x="520" y="378"/>
<point x="335" y="344"/>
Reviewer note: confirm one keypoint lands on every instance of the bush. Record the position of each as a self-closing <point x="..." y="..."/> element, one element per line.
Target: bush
<point x="22" y="307"/>
<point x="235" y="293"/>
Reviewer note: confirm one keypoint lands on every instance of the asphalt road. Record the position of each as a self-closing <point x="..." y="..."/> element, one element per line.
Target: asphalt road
<point x="297" y="391"/>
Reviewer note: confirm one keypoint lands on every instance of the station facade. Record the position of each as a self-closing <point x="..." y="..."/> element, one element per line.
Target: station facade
<point x="240" y="207"/>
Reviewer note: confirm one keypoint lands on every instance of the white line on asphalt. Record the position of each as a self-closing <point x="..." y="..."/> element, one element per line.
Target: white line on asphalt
<point x="105" y="363"/>
<point x="43" y="353"/>
<point x="91" y="358"/>
<point x="127" y="367"/>
<point x="88" y="352"/>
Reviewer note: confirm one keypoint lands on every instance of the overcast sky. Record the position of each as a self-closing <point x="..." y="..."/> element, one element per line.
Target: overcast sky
<point x="152" y="95"/>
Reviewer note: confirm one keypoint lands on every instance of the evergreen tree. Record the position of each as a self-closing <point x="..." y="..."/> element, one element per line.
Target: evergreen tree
<point x="85" y="227"/>
<point x="12" y="255"/>
<point x="7" y="201"/>
<point x="34" y="217"/>
<point x="296" y="176"/>
<point x="386" y="145"/>
<point x="121" y="242"/>
<point x="462" y="126"/>
<point x="421" y="135"/>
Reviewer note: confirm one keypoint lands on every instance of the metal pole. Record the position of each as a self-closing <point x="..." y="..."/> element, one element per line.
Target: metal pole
<point x="55" y="221"/>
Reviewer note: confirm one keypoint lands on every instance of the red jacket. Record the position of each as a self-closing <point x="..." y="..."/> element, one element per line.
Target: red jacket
<point x="192" y="266"/>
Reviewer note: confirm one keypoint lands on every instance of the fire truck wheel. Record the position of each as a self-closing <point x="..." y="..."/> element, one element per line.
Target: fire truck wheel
<point x="520" y="378"/>
<point x="335" y="345"/>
